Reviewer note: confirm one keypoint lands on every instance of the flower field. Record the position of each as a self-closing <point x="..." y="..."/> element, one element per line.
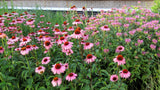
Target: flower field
<point x="117" y="49"/>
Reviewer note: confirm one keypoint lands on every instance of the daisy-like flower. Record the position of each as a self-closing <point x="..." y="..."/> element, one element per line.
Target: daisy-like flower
<point x="73" y="8"/>
<point x="40" y="32"/>
<point x="42" y="16"/>
<point x="2" y="35"/>
<point x="120" y="60"/>
<point x="61" y="40"/>
<point x="48" y="22"/>
<point x="1" y="49"/>
<point x="88" y="45"/>
<point x="56" y="81"/>
<point x="64" y="32"/>
<point x="58" y="68"/>
<point x="10" y="46"/>
<point x="48" y="44"/>
<point x="70" y="29"/>
<point x="24" y="41"/>
<point x="30" y="22"/>
<point x="77" y="34"/>
<point x="40" y="38"/>
<point x="57" y="31"/>
<point x="119" y="49"/>
<point x="56" y="25"/>
<point x="66" y="65"/>
<point x="90" y="58"/>
<point x="24" y="51"/>
<point x="113" y="78"/>
<point x="40" y="69"/>
<point x="35" y="47"/>
<point x="125" y="73"/>
<point x="19" y="20"/>
<point x="67" y="45"/>
<point x="85" y="37"/>
<point x="77" y="21"/>
<point x="29" y="47"/>
<point x="67" y="51"/>
<point x="65" y="23"/>
<point x="46" y="60"/>
<point x="105" y="28"/>
<point x="71" y="76"/>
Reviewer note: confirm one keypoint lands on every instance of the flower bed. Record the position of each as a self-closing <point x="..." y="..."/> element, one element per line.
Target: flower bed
<point x="117" y="49"/>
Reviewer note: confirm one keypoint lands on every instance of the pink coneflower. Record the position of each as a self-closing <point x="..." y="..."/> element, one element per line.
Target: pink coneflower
<point x="46" y="60"/>
<point x="85" y="37"/>
<point x="64" y="32"/>
<point x="40" y="70"/>
<point x="71" y="76"/>
<point x="14" y="39"/>
<point x="35" y="47"/>
<point x="66" y="65"/>
<point x="57" y="31"/>
<point x="58" y="68"/>
<point x="119" y="49"/>
<point x="29" y="47"/>
<point x="61" y="40"/>
<point x="152" y="46"/>
<point x="19" y="20"/>
<point x="73" y="8"/>
<point x="120" y="60"/>
<point x="105" y="28"/>
<point x="88" y="45"/>
<point x="24" y="51"/>
<point x="45" y="51"/>
<point x="90" y="58"/>
<point x="25" y="40"/>
<point x="32" y="34"/>
<point x="125" y="73"/>
<point x="30" y="22"/>
<point x="42" y="16"/>
<point x="48" y="44"/>
<point x="67" y="45"/>
<point x="77" y="21"/>
<point x="65" y="23"/>
<point x="70" y="29"/>
<point x="10" y="46"/>
<point x="40" y="32"/>
<point x="2" y="35"/>
<point x="77" y="34"/>
<point x="56" y="81"/>
<point x="48" y="22"/>
<point x="46" y="38"/>
<point x="113" y="78"/>
<point x="1" y="49"/>
<point x="67" y="51"/>
<point x="56" y="25"/>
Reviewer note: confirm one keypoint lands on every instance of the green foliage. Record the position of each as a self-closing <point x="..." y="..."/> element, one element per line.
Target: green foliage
<point x="18" y="72"/>
<point x="156" y="7"/>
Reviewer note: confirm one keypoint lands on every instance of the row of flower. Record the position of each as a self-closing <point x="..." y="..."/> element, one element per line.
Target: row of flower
<point x="118" y="42"/>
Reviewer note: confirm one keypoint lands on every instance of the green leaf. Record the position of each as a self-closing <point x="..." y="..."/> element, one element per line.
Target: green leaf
<point x="42" y="88"/>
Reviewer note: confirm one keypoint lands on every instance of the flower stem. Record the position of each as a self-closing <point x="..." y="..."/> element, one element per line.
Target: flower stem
<point x="27" y="62"/>
<point x="91" y="76"/>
